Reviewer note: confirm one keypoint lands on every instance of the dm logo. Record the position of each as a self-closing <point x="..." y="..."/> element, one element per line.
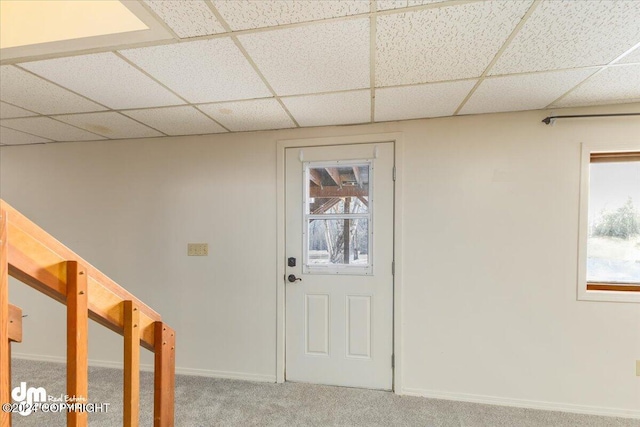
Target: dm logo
<point x="30" y="396"/>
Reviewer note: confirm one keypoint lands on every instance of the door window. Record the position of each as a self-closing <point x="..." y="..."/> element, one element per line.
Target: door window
<point x="338" y="218"/>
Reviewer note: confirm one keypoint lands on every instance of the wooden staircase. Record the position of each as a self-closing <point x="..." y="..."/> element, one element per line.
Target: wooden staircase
<point x="35" y="258"/>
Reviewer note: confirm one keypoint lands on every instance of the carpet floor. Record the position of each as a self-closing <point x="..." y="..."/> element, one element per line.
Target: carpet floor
<point x="204" y="402"/>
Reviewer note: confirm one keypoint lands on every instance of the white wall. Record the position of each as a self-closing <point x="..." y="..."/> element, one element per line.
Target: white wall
<point x="489" y="310"/>
<point x="130" y="208"/>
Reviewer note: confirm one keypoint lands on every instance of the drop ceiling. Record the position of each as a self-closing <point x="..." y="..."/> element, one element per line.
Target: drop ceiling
<point x="216" y="66"/>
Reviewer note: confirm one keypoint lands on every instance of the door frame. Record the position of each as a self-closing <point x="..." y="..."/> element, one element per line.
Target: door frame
<point x="397" y="139"/>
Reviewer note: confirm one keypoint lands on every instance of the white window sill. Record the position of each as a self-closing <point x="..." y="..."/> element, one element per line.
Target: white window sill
<point x="608" y="296"/>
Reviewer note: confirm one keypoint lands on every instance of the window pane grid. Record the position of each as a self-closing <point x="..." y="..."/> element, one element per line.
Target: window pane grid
<point x="337" y="217"/>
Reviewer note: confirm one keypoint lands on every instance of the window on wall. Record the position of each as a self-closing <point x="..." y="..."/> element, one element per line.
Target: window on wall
<point x="612" y="222"/>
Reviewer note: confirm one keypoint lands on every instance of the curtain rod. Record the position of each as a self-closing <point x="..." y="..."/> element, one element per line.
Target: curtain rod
<point x="550" y="119"/>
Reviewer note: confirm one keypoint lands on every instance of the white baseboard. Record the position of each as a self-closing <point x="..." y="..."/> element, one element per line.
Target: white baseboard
<point x="227" y="374"/>
<point x="92" y="362"/>
<point x="433" y="394"/>
<point x="149" y="368"/>
<point x="521" y="403"/>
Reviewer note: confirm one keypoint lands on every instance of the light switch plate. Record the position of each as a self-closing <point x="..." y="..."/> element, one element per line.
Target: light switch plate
<point x="638" y="368"/>
<point x="197" y="249"/>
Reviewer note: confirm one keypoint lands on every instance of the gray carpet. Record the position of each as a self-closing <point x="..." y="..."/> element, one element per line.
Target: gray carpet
<point x="218" y="402"/>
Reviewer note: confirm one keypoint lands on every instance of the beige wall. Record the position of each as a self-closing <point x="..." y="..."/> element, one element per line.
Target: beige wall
<point x="489" y="309"/>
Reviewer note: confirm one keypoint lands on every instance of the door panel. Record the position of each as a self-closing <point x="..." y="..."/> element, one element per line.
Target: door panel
<point x="317" y="330"/>
<point x="339" y="227"/>
<point x="358" y="327"/>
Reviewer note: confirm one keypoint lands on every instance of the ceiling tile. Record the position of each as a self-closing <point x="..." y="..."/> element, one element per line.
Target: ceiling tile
<point x="256" y="114"/>
<point x="331" y="109"/>
<point x="314" y="58"/>
<point x="397" y="4"/>
<point x="49" y="128"/>
<point x="187" y="18"/>
<point x="110" y="124"/>
<point x="13" y="137"/>
<point x="246" y="14"/>
<point x="523" y="92"/>
<point x="446" y="43"/>
<point x="414" y="102"/>
<point x="633" y="57"/>
<point x="177" y="120"/>
<point x="569" y="34"/>
<point x="28" y="91"/>
<point x="202" y="71"/>
<point x="614" y="85"/>
<point x="105" y="78"/>
<point x="8" y="111"/>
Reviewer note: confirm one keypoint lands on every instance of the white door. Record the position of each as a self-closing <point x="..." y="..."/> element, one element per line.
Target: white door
<point x="339" y="294"/>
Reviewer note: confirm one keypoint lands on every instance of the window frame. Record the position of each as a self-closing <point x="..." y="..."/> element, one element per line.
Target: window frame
<point x="600" y="291"/>
<point x="340" y="269"/>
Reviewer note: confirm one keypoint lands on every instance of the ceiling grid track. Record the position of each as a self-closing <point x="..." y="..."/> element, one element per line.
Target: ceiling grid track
<point x="186" y="102"/>
<point x="54" y="119"/>
<point x="595" y="73"/>
<point x="232" y="33"/>
<point x="77" y="127"/>
<point x="251" y="61"/>
<point x="22" y="108"/>
<point x="29" y="133"/>
<point x="513" y="34"/>
<point x="160" y="21"/>
<point x="52" y="116"/>
<point x="61" y="87"/>
<point x="176" y="39"/>
<point x="609" y="65"/>
<point x="143" y="124"/>
<point x="197" y="104"/>
<point x="426" y="6"/>
<point x="108" y="109"/>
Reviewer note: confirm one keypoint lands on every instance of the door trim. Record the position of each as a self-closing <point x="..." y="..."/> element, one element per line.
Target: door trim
<point x="282" y="145"/>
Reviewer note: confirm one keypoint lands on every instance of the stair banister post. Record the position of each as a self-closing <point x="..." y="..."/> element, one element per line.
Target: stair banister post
<point x="77" y="341"/>
<point x="164" y="375"/>
<point x="131" y="315"/>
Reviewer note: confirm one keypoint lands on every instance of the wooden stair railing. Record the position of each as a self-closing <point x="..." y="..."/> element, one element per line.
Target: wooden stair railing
<point x="32" y="256"/>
